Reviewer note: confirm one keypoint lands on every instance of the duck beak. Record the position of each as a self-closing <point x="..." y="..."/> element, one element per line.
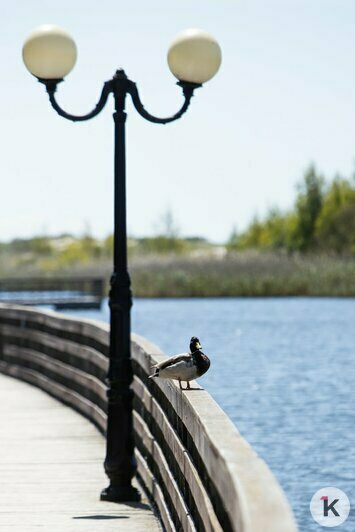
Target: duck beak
<point x="198" y="345"/>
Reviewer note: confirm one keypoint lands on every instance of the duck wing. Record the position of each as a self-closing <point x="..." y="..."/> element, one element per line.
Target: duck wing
<point x="173" y="360"/>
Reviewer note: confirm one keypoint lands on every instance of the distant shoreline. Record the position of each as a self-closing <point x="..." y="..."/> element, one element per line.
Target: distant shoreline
<point x="243" y="274"/>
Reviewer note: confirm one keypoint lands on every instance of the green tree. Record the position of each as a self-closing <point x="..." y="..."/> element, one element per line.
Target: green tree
<point x="41" y="245"/>
<point x="233" y="241"/>
<point x="274" y="234"/>
<point x="252" y="237"/>
<point x="270" y="233"/>
<point x="308" y="206"/>
<point x="336" y="223"/>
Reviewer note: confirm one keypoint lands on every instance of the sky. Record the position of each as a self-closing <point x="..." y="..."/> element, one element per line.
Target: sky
<point x="283" y="98"/>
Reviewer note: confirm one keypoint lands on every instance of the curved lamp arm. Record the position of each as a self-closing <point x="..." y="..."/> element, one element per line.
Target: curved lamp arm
<point x="188" y="89"/>
<point x="51" y="87"/>
<point x="120" y="85"/>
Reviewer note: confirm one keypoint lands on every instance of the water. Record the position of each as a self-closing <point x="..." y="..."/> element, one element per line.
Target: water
<point x="283" y="370"/>
<point x="21" y="295"/>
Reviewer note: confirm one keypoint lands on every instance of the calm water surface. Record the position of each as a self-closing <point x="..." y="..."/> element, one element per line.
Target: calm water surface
<point x="283" y="370"/>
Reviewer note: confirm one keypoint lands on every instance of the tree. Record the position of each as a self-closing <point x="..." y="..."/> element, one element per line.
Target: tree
<point x="233" y="241"/>
<point x="252" y="238"/>
<point x="336" y="223"/>
<point x="308" y="206"/>
<point x="274" y="234"/>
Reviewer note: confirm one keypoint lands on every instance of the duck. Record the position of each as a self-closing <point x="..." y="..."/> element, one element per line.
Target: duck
<point x="184" y="367"/>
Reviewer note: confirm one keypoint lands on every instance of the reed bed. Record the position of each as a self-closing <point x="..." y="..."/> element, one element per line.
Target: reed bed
<point x="243" y="274"/>
<point x="206" y="274"/>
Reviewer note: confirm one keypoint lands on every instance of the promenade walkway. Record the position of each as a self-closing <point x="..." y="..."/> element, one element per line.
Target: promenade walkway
<point x="51" y="469"/>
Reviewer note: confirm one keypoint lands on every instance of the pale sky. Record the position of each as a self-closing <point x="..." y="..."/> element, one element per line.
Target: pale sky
<point x="284" y="97"/>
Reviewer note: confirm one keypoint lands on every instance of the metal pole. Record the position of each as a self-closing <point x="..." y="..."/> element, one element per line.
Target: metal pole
<point x="120" y="463"/>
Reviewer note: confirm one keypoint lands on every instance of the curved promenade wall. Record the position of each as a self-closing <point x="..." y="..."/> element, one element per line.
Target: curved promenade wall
<point x="197" y="469"/>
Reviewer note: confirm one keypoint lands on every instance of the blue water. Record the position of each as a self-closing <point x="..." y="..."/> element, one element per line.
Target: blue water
<point x="284" y="371"/>
<point x="44" y="296"/>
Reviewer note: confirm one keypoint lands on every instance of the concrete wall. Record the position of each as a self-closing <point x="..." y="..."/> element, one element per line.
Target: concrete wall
<point x="200" y="472"/>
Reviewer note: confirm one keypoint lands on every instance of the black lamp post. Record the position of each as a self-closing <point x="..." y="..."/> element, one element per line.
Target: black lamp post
<point x="49" y="54"/>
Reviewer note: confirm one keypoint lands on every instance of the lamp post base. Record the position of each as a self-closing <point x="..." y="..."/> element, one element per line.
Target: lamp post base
<point x="120" y="494"/>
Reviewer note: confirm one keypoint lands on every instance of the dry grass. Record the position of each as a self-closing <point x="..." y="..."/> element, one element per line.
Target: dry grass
<point x="247" y="273"/>
<point x="243" y="274"/>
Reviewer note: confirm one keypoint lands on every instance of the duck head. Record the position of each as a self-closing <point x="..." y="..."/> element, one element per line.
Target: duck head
<point x="195" y="344"/>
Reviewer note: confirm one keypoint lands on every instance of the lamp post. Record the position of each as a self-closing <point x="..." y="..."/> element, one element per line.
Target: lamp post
<point x="194" y="57"/>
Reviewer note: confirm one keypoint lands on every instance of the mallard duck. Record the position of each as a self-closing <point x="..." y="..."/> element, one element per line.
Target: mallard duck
<point x="184" y="367"/>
